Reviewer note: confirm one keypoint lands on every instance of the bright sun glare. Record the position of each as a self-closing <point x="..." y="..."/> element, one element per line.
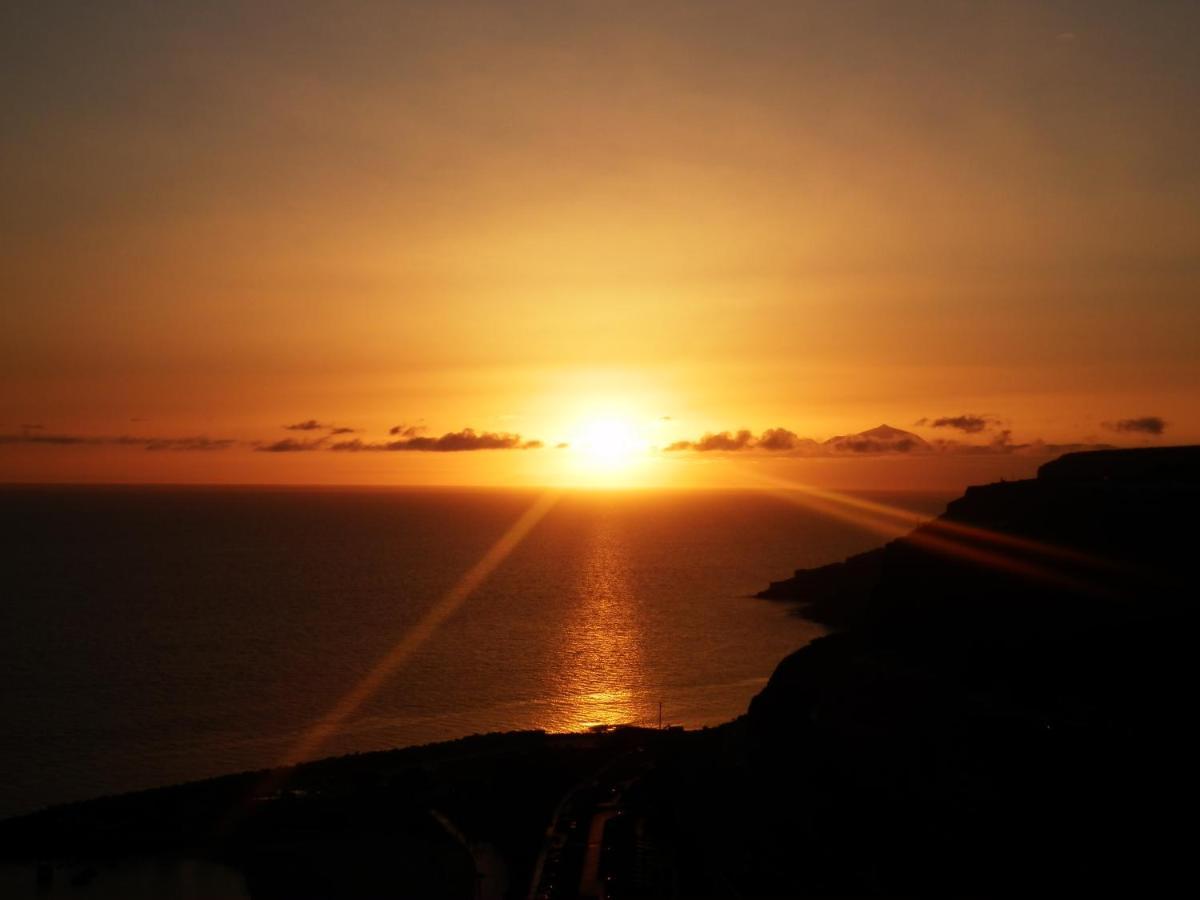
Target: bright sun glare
<point x="608" y="443"/>
<point x="607" y="450"/>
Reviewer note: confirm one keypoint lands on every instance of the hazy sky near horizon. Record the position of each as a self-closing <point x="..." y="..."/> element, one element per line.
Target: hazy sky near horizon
<point x="688" y="217"/>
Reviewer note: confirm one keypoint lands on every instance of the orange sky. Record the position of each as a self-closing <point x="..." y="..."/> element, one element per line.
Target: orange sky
<point x="528" y="217"/>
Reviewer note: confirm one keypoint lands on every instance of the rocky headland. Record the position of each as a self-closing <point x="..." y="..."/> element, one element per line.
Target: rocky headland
<point x="1001" y="711"/>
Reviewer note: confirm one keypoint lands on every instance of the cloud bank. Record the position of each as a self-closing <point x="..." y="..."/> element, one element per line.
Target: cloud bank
<point x="292" y="445"/>
<point x="193" y="442"/>
<point x="967" y="422"/>
<point x="405" y="431"/>
<point x="1143" y="425"/>
<point x="450" y="442"/>
<point x="881" y="441"/>
<point x="722" y="440"/>
<point x="784" y="442"/>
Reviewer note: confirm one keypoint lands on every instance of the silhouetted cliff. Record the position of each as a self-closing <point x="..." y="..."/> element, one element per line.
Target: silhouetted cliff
<point x="1005" y="711"/>
<point x="1100" y="534"/>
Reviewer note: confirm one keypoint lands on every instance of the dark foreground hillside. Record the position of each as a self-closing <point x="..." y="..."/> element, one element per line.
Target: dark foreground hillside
<point x="1004" y="711"/>
<point x="999" y="716"/>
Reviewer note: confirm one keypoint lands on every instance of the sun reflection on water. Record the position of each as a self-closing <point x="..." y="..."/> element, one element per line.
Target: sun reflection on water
<point x="601" y="670"/>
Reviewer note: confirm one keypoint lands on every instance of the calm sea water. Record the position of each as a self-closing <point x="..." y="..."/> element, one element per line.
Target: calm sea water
<point x="151" y="636"/>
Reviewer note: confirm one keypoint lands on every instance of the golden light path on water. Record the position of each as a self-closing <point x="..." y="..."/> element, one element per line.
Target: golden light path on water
<point x="601" y="667"/>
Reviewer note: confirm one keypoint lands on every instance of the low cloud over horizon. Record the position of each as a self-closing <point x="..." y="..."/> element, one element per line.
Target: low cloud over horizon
<point x="778" y="441"/>
<point x="1143" y="425"/>
<point x="785" y="442"/>
<point x="406" y="431"/>
<point x="465" y="440"/>
<point x="968" y="423"/>
<point x="193" y="442"/>
<point x="292" y="445"/>
<point x="316" y="425"/>
<point x="880" y="441"/>
<point x="450" y="442"/>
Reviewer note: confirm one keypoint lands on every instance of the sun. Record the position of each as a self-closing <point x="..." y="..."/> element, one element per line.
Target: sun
<point x="607" y="451"/>
<point x="608" y="444"/>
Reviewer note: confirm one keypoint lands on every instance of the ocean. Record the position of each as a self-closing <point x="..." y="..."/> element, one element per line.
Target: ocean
<point x="151" y="636"/>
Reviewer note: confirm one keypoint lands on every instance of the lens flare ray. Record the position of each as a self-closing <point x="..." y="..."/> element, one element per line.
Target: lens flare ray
<point x="317" y="736"/>
<point x="445" y="607"/>
<point x="968" y="542"/>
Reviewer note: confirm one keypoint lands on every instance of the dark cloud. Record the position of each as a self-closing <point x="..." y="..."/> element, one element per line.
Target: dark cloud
<point x="467" y="439"/>
<point x="724" y="440"/>
<point x="307" y="425"/>
<point x="882" y="440"/>
<point x="776" y="439"/>
<point x="197" y="442"/>
<point x="314" y="425"/>
<point x="1142" y="425"/>
<point x="451" y="442"/>
<point x="61" y="439"/>
<point x="405" y="431"/>
<point x="968" y="423"/>
<point x="188" y="443"/>
<point x="773" y="440"/>
<point x="292" y="445"/>
<point x="720" y="441"/>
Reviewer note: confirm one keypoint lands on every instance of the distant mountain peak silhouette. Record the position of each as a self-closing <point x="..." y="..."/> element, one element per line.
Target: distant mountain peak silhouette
<point x="881" y="439"/>
<point x="886" y="431"/>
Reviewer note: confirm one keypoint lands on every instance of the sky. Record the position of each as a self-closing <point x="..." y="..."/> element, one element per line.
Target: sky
<point x="615" y="226"/>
